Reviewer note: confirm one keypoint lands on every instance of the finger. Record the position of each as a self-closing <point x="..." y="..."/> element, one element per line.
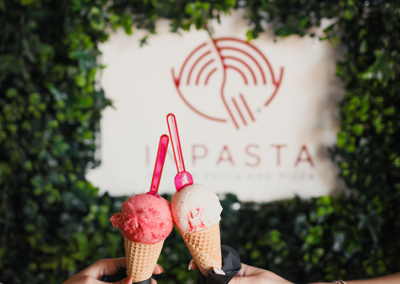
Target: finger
<point x="247" y="270"/>
<point x="192" y="265"/>
<point x="158" y="269"/>
<point x="128" y="280"/>
<point x="91" y="280"/>
<point x="153" y="281"/>
<point x="256" y="279"/>
<point x="105" y="267"/>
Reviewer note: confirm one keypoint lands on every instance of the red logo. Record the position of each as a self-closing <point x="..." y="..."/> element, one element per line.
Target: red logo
<point x="227" y="79"/>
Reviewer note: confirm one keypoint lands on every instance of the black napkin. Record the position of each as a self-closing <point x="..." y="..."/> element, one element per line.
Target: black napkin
<point x="121" y="274"/>
<point x="230" y="265"/>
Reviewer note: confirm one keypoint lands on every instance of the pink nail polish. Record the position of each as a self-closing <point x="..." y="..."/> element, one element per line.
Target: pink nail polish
<point x="190" y="265"/>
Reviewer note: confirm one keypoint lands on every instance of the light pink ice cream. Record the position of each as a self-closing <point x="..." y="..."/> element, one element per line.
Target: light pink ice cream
<point x="144" y="219"/>
<point x="195" y="208"/>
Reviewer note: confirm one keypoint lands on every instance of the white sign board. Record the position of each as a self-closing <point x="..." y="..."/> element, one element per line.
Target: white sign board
<point x="255" y="118"/>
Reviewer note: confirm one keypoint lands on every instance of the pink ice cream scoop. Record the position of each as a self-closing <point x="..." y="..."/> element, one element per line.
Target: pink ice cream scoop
<point x="144" y="218"/>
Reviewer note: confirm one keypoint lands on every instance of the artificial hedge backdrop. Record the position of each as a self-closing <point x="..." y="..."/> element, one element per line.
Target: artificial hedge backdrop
<point x="53" y="223"/>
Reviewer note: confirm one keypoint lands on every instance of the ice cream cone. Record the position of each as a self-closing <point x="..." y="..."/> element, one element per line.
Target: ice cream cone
<point x="205" y="248"/>
<point x="141" y="259"/>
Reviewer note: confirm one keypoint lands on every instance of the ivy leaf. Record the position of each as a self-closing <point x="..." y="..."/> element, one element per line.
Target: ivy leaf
<point x="382" y="69"/>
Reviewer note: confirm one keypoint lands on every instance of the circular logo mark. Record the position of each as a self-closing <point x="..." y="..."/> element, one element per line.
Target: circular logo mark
<point x="231" y="73"/>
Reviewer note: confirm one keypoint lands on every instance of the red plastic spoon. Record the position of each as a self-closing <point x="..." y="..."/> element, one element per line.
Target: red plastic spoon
<point x="183" y="178"/>
<point x="158" y="167"/>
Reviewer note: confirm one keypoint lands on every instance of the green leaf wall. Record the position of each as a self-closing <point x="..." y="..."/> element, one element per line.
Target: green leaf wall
<point x="53" y="223"/>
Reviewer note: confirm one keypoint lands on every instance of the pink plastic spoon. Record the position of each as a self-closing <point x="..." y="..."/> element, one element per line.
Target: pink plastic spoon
<point x="183" y="178"/>
<point x="158" y="167"/>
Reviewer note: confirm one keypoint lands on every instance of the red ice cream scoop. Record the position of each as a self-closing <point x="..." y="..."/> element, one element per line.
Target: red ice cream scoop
<point x="144" y="219"/>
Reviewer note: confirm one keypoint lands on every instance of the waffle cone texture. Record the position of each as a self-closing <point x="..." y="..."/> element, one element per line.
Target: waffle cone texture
<point x="141" y="259"/>
<point x="205" y="248"/>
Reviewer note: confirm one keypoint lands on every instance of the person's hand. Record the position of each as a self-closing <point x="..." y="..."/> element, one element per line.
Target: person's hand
<point x="251" y="275"/>
<point x="92" y="274"/>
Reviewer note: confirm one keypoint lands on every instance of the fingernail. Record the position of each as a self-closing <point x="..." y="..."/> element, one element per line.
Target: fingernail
<point x="128" y="280"/>
<point x="162" y="270"/>
<point x="190" y="265"/>
<point x="218" y="271"/>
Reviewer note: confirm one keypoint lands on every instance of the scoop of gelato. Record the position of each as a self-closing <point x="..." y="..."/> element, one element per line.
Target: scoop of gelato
<point x="195" y="208"/>
<point x="144" y="219"/>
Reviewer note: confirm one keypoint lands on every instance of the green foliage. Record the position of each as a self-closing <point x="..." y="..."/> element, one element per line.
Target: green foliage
<point x="53" y="223"/>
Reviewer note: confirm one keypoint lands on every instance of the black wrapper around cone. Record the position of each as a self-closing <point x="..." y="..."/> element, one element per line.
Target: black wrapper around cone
<point x="230" y="265"/>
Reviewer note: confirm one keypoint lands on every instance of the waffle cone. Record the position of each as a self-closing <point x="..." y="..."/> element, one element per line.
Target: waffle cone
<point x="141" y="259"/>
<point x="205" y="248"/>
